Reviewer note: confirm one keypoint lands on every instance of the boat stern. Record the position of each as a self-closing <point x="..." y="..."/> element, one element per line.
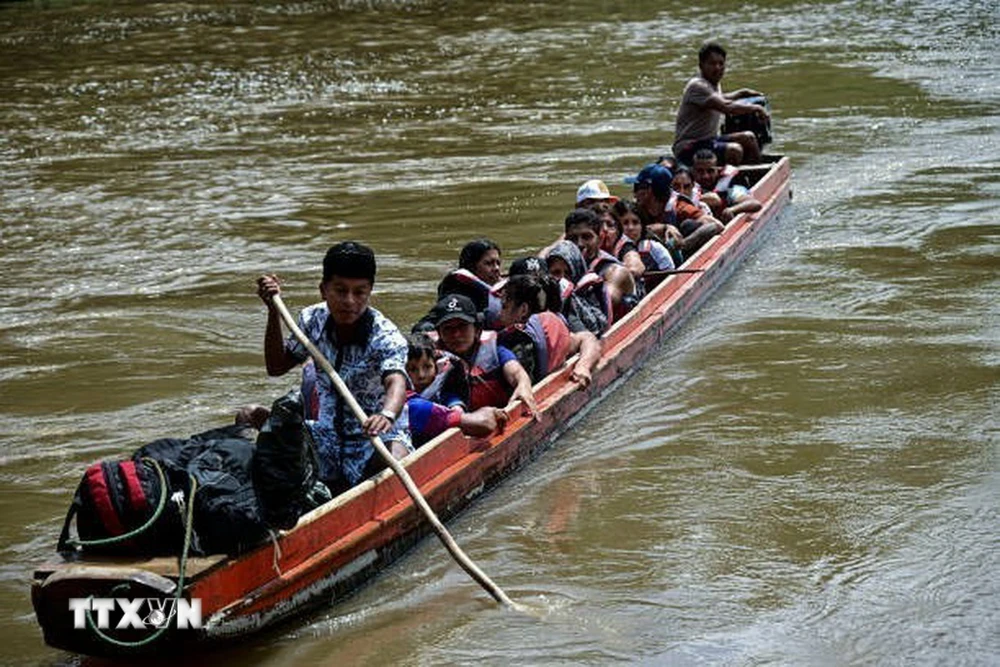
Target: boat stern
<point x="109" y="610"/>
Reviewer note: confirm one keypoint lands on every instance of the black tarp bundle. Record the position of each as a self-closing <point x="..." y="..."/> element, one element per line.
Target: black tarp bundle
<point x="243" y="489"/>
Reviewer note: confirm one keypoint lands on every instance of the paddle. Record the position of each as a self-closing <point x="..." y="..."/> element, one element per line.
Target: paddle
<point x="669" y="272"/>
<point x="400" y="471"/>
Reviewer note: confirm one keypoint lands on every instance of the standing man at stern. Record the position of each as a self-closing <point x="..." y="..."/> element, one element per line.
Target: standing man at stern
<point x="366" y="350"/>
<point x="703" y="109"/>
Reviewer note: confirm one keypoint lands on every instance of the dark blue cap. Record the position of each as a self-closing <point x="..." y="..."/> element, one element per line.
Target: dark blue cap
<point x="656" y="176"/>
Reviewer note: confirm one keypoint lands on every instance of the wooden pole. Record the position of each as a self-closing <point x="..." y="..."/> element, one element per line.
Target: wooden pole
<point x="477" y="574"/>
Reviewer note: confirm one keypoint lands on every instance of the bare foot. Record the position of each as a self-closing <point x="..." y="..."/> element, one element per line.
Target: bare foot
<point x="252" y="415"/>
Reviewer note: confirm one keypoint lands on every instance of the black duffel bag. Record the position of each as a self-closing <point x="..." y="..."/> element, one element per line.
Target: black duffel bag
<point x="227" y="516"/>
<point x="139" y="506"/>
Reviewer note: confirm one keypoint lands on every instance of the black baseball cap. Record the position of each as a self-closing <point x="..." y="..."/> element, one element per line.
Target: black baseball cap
<point x="454" y="307"/>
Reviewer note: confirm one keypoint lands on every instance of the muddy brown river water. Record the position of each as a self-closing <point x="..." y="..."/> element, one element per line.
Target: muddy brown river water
<point x="807" y="473"/>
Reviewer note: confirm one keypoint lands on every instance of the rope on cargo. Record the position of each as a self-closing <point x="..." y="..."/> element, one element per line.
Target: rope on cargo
<point x="276" y="551"/>
<point x="188" y="529"/>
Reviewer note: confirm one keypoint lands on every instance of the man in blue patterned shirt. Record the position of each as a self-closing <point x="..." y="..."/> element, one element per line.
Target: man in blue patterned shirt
<point x="367" y="351"/>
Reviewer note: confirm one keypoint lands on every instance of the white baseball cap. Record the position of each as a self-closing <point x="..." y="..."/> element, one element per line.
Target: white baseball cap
<point x="594" y="189"/>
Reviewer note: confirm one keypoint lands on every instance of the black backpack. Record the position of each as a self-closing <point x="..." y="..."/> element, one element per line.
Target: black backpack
<point x="760" y="128"/>
<point x="285" y="468"/>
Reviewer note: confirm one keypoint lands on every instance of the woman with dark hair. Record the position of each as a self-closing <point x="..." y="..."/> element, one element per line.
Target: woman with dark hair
<point x="615" y="243"/>
<point x="539" y="335"/>
<point x="654" y="254"/>
<point x="478" y="271"/>
<point x="482" y="258"/>
<point x="685" y="202"/>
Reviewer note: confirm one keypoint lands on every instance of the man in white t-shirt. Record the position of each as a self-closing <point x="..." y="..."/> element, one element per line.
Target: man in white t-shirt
<point x="703" y="109"/>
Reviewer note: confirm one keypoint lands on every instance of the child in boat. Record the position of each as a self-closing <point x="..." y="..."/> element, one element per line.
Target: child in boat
<point x="655" y="256"/>
<point x="583" y="228"/>
<point x="616" y="244"/>
<point x="421" y="362"/>
<point x="535" y="330"/>
<point x="496" y="378"/>
<point x="428" y="418"/>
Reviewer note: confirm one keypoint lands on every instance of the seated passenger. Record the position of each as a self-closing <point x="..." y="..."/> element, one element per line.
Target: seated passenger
<point x="482" y="258"/>
<point x="429" y="419"/>
<point x="583" y="228"/>
<point x="619" y="246"/>
<point x="655" y="256"/>
<point x="539" y="335"/>
<point x="652" y="196"/>
<point x="593" y="192"/>
<point x="651" y="187"/>
<point x="718" y="191"/>
<point x="685" y="197"/>
<point x="559" y="293"/>
<point x="582" y="290"/>
<point x="692" y="217"/>
<point x="478" y="270"/>
<point x="495" y="376"/>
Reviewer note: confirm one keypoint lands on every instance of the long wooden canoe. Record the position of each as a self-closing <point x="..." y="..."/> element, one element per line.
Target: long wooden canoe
<point x="336" y="547"/>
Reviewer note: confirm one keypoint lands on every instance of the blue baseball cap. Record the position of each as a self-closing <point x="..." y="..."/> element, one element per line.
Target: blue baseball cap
<point x="655" y="176"/>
